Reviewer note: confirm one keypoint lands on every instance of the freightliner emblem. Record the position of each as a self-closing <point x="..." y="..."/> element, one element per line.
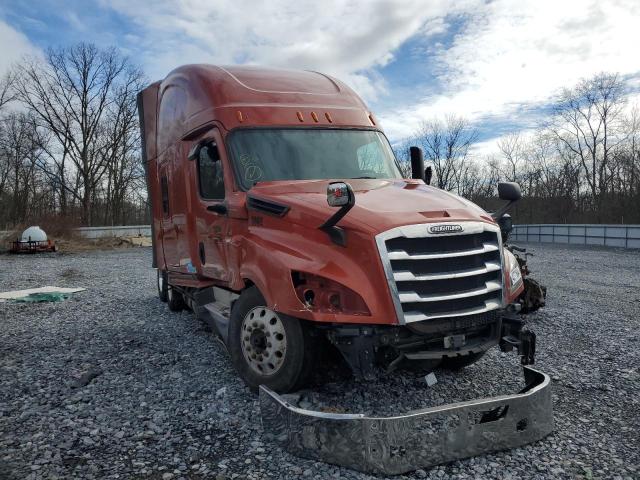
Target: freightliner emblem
<point x="448" y="228"/>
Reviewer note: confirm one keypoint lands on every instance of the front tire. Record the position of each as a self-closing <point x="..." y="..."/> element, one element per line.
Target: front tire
<point x="266" y="347"/>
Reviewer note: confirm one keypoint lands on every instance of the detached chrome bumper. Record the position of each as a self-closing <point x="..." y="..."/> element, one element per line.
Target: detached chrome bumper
<point x="417" y="439"/>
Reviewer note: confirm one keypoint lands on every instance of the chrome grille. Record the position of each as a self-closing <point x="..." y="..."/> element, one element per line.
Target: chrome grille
<point x="443" y="275"/>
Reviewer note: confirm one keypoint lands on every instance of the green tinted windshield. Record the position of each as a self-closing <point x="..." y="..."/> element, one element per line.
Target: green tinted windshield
<point x="310" y="154"/>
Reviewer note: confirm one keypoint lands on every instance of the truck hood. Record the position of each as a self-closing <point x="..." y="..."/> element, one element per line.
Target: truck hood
<point x="380" y="204"/>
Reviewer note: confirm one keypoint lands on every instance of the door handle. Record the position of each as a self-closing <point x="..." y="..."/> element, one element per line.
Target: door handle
<point x="219" y="208"/>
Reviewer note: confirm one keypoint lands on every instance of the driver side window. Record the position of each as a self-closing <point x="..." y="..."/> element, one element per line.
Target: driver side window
<point x="210" y="178"/>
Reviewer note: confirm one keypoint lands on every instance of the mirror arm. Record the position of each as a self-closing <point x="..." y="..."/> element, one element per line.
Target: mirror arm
<point x="502" y="210"/>
<point x="336" y="217"/>
<point x="337" y="234"/>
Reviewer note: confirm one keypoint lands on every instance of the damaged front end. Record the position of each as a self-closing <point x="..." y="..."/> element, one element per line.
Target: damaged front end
<point x="421" y="438"/>
<point x="417" y="439"/>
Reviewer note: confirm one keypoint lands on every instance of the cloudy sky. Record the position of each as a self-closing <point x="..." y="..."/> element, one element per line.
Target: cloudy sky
<point x="498" y="63"/>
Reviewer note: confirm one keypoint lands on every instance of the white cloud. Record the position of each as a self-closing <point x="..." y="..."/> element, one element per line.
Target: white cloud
<point x="505" y="57"/>
<point x="344" y="38"/>
<point x="14" y="46"/>
<point x="511" y="56"/>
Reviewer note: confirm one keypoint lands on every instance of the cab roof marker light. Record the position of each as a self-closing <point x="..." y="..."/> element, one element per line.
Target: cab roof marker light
<point x="300" y="117"/>
<point x="328" y="116"/>
<point x="240" y="117"/>
<point x="373" y="122"/>
<point x="314" y="116"/>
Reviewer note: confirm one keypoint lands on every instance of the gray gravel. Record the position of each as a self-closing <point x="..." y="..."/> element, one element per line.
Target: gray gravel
<point x="110" y="384"/>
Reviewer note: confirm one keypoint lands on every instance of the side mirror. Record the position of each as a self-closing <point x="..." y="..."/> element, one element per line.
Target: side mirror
<point x="417" y="163"/>
<point x="339" y="194"/>
<point x="509" y="191"/>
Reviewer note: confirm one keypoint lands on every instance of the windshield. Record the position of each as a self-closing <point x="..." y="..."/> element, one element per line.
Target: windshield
<point x="310" y="154"/>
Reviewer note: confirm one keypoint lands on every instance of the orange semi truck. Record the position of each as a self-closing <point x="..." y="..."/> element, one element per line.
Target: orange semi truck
<point x="281" y="216"/>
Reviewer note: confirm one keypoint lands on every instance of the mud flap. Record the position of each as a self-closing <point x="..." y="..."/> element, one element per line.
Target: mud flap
<point x="417" y="439"/>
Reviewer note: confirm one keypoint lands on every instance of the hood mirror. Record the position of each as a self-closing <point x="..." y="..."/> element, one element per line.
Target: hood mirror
<point x="339" y="194"/>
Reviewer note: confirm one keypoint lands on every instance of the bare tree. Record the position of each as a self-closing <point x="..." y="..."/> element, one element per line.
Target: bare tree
<point x="512" y="148"/>
<point x="72" y="93"/>
<point x="20" y="150"/>
<point x="122" y="137"/>
<point x="446" y="145"/>
<point x="587" y="120"/>
<point x="7" y="92"/>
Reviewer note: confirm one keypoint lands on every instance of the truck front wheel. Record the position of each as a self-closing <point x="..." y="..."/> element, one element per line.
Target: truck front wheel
<point x="267" y="348"/>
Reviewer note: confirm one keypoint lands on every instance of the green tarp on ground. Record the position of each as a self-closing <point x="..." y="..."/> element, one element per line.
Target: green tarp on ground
<point x="42" y="297"/>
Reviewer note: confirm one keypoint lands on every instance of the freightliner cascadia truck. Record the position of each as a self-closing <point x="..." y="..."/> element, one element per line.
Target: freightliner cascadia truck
<point x="281" y="216"/>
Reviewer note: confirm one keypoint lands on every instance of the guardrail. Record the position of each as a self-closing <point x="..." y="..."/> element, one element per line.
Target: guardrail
<point x="625" y="236"/>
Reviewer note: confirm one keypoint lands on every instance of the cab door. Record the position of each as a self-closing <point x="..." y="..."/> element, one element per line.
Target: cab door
<point x="210" y="208"/>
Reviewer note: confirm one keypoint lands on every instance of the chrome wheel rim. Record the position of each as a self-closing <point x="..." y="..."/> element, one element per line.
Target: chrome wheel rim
<point x="263" y="341"/>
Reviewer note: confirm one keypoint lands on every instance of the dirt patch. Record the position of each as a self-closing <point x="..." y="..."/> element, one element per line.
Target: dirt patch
<point x="80" y="244"/>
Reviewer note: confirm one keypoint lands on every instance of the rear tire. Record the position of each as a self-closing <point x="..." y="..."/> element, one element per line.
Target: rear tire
<point x="266" y="347"/>
<point x="458" y="363"/>
<point x="162" y="285"/>
<point x="174" y="299"/>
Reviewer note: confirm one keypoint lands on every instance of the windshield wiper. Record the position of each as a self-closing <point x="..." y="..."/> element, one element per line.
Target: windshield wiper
<point x="358" y="178"/>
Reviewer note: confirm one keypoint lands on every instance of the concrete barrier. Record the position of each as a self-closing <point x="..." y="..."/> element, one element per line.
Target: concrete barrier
<point x="624" y="236"/>
<point x="115" y="231"/>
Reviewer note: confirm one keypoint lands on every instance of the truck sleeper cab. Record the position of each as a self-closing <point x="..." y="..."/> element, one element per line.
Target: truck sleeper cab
<point x="280" y="215"/>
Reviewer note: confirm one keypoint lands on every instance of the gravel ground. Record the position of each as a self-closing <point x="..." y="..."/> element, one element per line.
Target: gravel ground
<point x="166" y="403"/>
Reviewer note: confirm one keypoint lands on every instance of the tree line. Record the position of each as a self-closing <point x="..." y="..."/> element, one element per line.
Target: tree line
<point x="69" y="139"/>
<point x="70" y="148"/>
<point x="581" y="164"/>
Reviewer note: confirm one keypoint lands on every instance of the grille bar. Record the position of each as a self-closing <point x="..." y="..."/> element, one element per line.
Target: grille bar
<point x="414" y="297"/>
<point x="405" y="275"/>
<point x="403" y="255"/>
<point x="415" y="316"/>
<point x="434" y="275"/>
